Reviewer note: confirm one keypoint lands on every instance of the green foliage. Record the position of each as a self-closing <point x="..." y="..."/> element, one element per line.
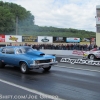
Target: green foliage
<point x="8" y="14"/>
<point x="52" y="31"/>
<point x="10" y="11"/>
<point x="6" y="18"/>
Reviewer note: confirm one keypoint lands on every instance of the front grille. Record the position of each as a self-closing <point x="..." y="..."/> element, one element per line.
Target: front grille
<point x="44" y="61"/>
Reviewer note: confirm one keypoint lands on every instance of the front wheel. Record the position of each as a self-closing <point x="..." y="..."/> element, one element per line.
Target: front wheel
<point x="92" y="57"/>
<point x="47" y="69"/>
<point x="24" y="68"/>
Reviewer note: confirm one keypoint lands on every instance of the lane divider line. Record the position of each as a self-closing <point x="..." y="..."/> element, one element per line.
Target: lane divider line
<point x="31" y="90"/>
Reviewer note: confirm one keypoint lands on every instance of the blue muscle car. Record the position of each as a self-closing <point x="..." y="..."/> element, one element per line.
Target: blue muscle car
<point x="26" y="58"/>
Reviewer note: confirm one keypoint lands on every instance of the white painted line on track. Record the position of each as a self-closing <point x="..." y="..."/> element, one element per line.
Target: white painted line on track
<point x="78" y="68"/>
<point x="31" y="90"/>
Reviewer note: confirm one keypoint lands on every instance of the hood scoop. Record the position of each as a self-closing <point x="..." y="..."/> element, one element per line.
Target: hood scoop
<point x="36" y="53"/>
<point x="42" y="54"/>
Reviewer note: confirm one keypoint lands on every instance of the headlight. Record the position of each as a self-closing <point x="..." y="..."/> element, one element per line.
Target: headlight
<point x="52" y="60"/>
<point x="34" y="62"/>
<point x="37" y="62"/>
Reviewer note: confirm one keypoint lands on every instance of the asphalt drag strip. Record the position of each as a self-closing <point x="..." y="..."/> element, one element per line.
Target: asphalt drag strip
<point x="62" y="81"/>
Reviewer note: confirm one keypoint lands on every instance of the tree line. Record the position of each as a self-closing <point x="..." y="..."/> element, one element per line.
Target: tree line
<point x="11" y="13"/>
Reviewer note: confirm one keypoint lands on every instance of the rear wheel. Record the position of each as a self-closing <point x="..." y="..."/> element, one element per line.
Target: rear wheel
<point x="24" y="68"/>
<point x="92" y="57"/>
<point x="2" y="65"/>
<point x="47" y="69"/>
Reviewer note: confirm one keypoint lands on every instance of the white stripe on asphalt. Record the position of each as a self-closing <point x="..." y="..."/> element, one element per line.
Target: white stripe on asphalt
<point x="32" y="91"/>
<point x="78" y="68"/>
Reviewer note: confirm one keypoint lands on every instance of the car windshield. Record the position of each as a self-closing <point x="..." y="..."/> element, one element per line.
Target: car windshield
<point x="26" y="49"/>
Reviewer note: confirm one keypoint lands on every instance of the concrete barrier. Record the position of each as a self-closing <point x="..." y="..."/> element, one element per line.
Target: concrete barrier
<point x="64" y="52"/>
<point x="72" y="60"/>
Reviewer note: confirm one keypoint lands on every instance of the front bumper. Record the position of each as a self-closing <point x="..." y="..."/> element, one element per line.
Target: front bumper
<point x="44" y="65"/>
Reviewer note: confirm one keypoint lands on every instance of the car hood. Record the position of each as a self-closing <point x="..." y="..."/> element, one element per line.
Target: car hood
<point x="36" y="53"/>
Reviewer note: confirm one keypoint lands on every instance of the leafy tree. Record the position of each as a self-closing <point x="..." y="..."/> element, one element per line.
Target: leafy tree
<point x="9" y="12"/>
<point x="7" y="21"/>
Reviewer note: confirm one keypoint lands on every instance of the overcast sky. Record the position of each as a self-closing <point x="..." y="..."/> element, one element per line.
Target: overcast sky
<point x="77" y="14"/>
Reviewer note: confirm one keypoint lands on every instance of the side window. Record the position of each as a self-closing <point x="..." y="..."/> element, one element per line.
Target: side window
<point x="18" y="51"/>
<point x="3" y="50"/>
<point x="10" y="51"/>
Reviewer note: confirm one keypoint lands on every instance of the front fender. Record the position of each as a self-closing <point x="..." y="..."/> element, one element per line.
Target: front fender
<point x="27" y="62"/>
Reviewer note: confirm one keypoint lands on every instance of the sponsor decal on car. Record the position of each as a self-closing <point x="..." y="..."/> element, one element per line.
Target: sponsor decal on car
<point x="79" y="61"/>
<point x="77" y="52"/>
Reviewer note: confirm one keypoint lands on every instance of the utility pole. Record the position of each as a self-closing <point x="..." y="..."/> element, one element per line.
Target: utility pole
<point x="16" y="25"/>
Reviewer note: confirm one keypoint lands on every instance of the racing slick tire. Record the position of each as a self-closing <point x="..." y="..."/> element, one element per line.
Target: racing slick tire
<point x="47" y="69"/>
<point x="24" y="68"/>
<point x="2" y="65"/>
